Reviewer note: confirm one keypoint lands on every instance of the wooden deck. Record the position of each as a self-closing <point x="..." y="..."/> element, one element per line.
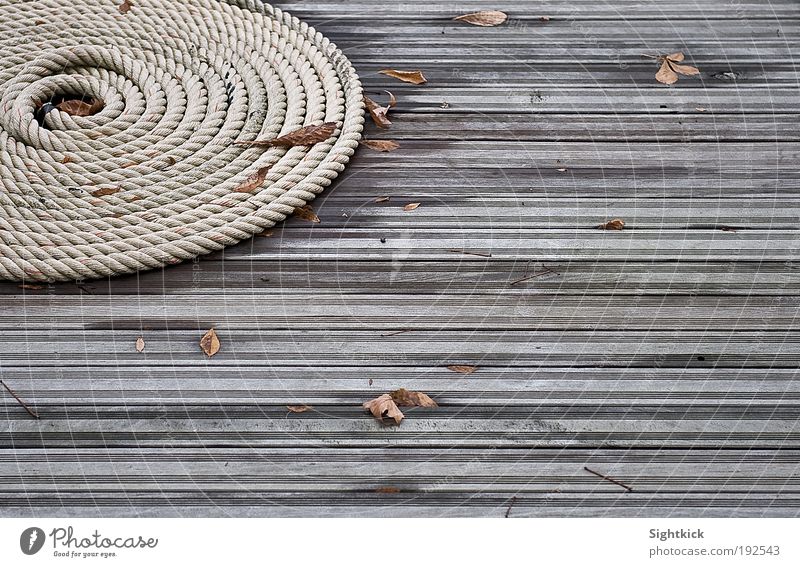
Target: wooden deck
<point x="664" y="356"/>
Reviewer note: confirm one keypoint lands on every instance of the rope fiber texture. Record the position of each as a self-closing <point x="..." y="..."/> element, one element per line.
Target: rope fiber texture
<point x="151" y="178"/>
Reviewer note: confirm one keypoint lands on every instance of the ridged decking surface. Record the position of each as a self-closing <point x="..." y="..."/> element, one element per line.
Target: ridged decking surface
<point x="664" y="356"/>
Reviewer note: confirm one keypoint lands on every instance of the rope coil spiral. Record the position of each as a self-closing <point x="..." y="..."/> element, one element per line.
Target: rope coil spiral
<point x="151" y="178"/>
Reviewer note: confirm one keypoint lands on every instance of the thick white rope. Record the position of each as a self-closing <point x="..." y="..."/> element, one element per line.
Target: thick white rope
<point x="151" y="179"/>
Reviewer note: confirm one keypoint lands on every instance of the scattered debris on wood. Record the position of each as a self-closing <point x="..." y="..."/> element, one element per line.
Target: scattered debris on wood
<point x="411" y="206"/>
<point x="670" y="67"/>
<point x="210" y="343"/>
<point x="140" y="344"/>
<point x="414" y="77"/>
<point x="33" y="287"/>
<point x="613" y="224"/>
<point x="462" y="368"/>
<point x="384" y="406"/>
<point x="306" y="212"/>
<point x="25" y="406"/>
<point x="486" y="18"/>
<point x="299" y="409"/>
<point x="305" y="136"/>
<point x="407" y="398"/>
<point x="609" y="479"/>
<point x="381" y="145"/>
<point x="380" y="113"/>
<point x="253" y="182"/>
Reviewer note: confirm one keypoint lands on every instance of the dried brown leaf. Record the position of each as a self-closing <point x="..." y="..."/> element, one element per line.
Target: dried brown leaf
<point x="75" y="107"/>
<point x="685" y="69"/>
<point x="384" y="406"/>
<point x="299" y="409"/>
<point x="105" y="191"/>
<point x="125" y="7"/>
<point x="306" y="136"/>
<point x="411" y="206"/>
<point x="676" y="57"/>
<point x="462" y="368"/>
<point x="140" y="344"/>
<point x="253" y="182"/>
<point x="382" y="199"/>
<point x="666" y="75"/>
<point x="613" y="224"/>
<point x="381" y="145"/>
<point x="485" y="18"/>
<point x="403" y="397"/>
<point x="378" y="112"/>
<point x="414" y="77"/>
<point x="210" y="343"/>
<point x="306" y="212"/>
<point x="34" y="287"/>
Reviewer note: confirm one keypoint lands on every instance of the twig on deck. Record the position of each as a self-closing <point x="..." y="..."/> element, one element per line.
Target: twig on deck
<point x="511" y="505"/>
<point x="481" y="254"/>
<point x="609" y="479"/>
<point x="16" y="397"/>
<point x="396" y="333"/>
<point x="530" y="277"/>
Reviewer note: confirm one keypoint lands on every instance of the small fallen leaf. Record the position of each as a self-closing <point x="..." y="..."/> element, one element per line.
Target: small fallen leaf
<point x="306" y="136"/>
<point x="253" y="182"/>
<point x="125" y="7"/>
<point x="384" y="405"/>
<point x="387" y="490"/>
<point x="66" y="160"/>
<point x="403" y="397"/>
<point x="140" y="344"/>
<point x="411" y="206"/>
<point x="562" y="169"/>
<point x="381" y="145"/>
<point x="668" y="72"/>
<point x="414" y="77"/>
<point x="30" y="286"/>
<point x="306" y="212"/>
<point x="299" y="409"/>
<point x="485" y="18"/>
<point x="544" y="18"/>
<point x="378" y="112"/>
<point x="210" y="343"/>
<point x="462" y="368"/>
<point x="382" y="199"/>
<point x="105" y="191"/>
<point x="613" y="224"/>
<point x="75" y="107"/>
<point x="700" y="108"/>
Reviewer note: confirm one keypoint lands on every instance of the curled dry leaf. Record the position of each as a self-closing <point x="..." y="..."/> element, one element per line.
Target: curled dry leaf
<point x="381" y="145"/>
<point x="140" y="344"/>
<point x="403" y="397"/>
<point x="414" y="77"/>
<point x="411" y="206"/>
<point x="75" y="107"/>
<point x="306" y="136"/>
<point x="379" y="113"/>
<point x="306" y="212"/>
<point x="670" y="67"/>
<point x="382" y="199"/>
<point x="125" y="7"/>
<point x="613" y="224"/>
<point x="299" y="409"/>
<point x="105" y="191"/>
<point x="253" y="182"/>
<point x="210" y="343"/>
<point x="384" y="406"/>
<point x="486" y="18"/>
<point x="462" y="368"/>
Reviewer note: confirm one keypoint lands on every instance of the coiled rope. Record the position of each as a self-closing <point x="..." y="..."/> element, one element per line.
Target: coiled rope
<point x="151" y="178"/>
